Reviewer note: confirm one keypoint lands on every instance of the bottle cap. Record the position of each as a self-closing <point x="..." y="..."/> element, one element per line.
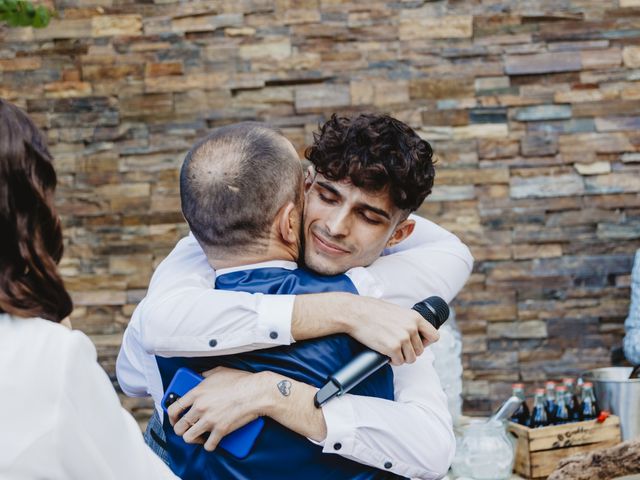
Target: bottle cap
<point x="561" y="388"/>
<point x="550" y="383"/>
<point x="587" y="385"/>
<point x="568" y="381"/>
<point x="517" y="385"/>
<point x="539" y="391"/>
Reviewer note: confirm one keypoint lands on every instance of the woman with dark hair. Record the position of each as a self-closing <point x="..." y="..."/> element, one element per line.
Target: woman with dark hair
<point x="59" y="415"/>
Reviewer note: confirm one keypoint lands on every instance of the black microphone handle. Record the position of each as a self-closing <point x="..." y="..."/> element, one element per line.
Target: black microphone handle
<point x="362" y="365"/>
<point x="433" y="309"/>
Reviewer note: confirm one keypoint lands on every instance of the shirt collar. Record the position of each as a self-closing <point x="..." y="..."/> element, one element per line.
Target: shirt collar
<point x="270" y="264"/>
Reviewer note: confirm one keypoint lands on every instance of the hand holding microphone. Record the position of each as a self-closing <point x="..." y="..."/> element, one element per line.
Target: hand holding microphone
<point x="398" y="332"/>
<point x="434" y="310"/>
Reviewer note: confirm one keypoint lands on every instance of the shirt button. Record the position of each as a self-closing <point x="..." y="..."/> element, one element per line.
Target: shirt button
<point x="337" y="446"/>
<point x="388" y="465"/>
<point x="213" y="342"/>
<point x="273" y="335"/>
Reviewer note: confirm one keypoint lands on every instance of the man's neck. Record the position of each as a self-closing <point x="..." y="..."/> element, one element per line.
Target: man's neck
<point x="274" y="252"/>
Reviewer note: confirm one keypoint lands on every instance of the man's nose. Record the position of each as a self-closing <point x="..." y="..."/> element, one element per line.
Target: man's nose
<point x="338" y="223"/>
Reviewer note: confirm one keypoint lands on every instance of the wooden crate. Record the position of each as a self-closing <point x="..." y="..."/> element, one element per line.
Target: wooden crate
<point x="538" y="450"/>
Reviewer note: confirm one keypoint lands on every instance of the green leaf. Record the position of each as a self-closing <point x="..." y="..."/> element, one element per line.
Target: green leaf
<point x="42" y="17"/>
<point x="23" y="17"/>
<point x="22" y="13"/>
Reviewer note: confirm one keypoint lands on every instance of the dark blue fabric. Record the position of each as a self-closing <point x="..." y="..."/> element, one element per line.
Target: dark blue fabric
<point x="154" y="437"/>
<point x="278" y="452"/>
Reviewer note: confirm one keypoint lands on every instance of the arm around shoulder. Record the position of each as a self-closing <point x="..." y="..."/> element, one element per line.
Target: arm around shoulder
<point x="183" y="314"/>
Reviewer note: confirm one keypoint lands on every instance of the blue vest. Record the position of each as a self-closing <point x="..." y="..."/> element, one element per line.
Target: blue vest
<point x="278" y="453"/>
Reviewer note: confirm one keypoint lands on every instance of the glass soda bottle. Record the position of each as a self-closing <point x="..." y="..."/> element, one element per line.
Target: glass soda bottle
<point x="562" y="410"/>
<point x="589" y="408"/>
<point x="550" y="401"/>
<point x="521" y="415"/>
<point x="539" y="417"/>
<point x="579" y="384"/>
<point x="572" y="400"/>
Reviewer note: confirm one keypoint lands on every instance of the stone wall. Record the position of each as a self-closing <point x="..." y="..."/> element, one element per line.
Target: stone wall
<point x="533" y="108"/>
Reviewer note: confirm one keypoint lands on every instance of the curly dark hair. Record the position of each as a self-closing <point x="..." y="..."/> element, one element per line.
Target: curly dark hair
<point x="31" y="239"/>
<point x="375" y="152"/>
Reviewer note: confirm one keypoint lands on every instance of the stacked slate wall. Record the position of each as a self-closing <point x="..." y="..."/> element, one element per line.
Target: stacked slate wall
<point x="532" y="107"/>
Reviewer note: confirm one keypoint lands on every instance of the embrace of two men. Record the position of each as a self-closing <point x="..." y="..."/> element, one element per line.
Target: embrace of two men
<point x="273" y="331"/>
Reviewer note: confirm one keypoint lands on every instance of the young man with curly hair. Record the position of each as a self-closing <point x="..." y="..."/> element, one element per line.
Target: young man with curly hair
<point x="369" y="173"/>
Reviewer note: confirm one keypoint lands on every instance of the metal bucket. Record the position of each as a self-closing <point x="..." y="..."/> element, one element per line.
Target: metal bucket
<point x="618" y="394"/>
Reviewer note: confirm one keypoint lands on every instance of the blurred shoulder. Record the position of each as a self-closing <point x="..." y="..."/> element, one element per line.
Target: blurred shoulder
<point x="44" y="337"/>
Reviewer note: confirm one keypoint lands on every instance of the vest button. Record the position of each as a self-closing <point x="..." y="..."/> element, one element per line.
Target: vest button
<point x="273" y="335"/>
<point x="337" y="446"/>
<point x="213" y="342"/>
<point x="388" y="465"/>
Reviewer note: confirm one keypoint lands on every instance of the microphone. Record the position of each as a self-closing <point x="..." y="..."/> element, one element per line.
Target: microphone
<point x="434" y="310"/>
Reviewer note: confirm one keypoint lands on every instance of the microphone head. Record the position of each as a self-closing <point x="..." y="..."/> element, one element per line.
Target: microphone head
<point x="440" y="307"/>
<point x="434" y="310"/>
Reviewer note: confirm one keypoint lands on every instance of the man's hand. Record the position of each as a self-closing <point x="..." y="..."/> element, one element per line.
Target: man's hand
<point x="397" y="332"/>
<point x="226" y="400"/>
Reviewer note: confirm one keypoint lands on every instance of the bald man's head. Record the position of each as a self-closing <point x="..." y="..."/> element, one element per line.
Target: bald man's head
<point x="234" y="182"/>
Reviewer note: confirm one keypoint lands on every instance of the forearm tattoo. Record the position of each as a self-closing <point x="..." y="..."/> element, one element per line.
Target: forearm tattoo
<point x="284" y="387"/>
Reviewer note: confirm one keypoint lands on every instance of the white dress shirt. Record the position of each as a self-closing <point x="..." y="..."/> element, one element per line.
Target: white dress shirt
<point x="59" y="414"/>
<point x="183" y="316"/>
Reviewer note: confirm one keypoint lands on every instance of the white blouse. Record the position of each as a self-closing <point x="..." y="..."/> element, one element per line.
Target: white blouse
<point x="60" y="417"/>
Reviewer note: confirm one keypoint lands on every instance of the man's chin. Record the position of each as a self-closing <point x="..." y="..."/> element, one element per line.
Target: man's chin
<point x="322" y="266"/>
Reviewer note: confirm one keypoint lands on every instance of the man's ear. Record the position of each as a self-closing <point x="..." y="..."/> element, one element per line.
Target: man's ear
<point x="309" y="178"/>
<point x="402" y="231"/>
<point x="288" y="223"/>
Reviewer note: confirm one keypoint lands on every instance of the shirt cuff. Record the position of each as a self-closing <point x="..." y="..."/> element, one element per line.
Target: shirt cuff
<point x="274" y="319"/>
<point x="340" y="419"/>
